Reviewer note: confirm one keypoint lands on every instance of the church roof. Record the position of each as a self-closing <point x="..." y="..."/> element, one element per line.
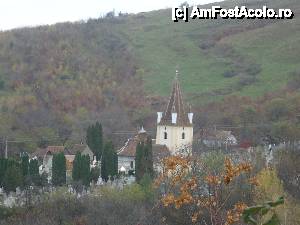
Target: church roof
<point x="76" y="148"/>
<point x="129" y="149"/>
<point x="176" y="105"/>
<point x="40" y="153"/>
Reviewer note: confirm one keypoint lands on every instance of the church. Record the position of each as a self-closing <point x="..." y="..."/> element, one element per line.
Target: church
<point x="174" y="132"/>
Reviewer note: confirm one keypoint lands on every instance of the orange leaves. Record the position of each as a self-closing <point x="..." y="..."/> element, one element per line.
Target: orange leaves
<point x="183" y="188"/>
<point x="232" y="171"/>
<point x="195" y="217"/>
<point x="254" y="181"/>
<point x="175" y="170"/>
<point x="234" y="215"/>
<point x="212" y="180"/>
<point x="176" y="162"/>
<point x="168" y="200"/>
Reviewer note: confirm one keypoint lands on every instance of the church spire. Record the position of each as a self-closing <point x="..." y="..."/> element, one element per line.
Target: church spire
<point x="175" y="105"/>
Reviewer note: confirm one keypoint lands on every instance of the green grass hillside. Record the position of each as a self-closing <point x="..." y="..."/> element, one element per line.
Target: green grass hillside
<point x="55" y="80"/>
<point x="205" y="50"/>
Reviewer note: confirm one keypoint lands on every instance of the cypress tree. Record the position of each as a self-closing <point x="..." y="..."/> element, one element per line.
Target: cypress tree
<point x="76" y="167"/>
<point x="139" y="161"/>
<point x="85" y="169"/>
<point x="34" y="172"/>
<point x="144" y="160"/>
<point x="109" y="162"/>
<point x="59" y="169"/>
<point x="94" y="174"/>
<point x="33" y="167"/>
<point x="13" y="177"/>
<point x="94" y="139"/>
<point x="25" y="164"/>
<point x="3" y="167"/>
<point x="149" y="158"/>
<point x="81" y="169"/>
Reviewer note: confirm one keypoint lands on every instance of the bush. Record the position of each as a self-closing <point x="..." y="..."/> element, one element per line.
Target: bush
<point x="246" y="80"/>
<point x="229" y="73"/>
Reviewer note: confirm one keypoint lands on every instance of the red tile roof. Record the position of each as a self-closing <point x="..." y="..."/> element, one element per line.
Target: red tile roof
<point x="40" y="153"/>
<point x="129" y="149"/>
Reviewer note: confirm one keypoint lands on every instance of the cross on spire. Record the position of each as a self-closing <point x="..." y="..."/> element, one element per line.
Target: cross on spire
<point x="176" y="72"/>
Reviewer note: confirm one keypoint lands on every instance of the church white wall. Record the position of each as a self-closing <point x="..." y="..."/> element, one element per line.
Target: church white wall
<point x="174" y="139"/>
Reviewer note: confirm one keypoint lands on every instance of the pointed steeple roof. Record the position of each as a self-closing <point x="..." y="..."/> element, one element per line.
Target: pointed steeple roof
<point x="176" y="105"/>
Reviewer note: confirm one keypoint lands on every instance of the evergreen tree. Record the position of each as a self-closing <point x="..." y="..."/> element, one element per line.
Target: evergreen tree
<point x="109" y="162"/>
<point x="81" y="169"/>
<point x="33" y="167"/>
<point x="94" y="174"/>
<point x="13" y="177"/>
<point x="144" y="160"/>
<point x="94" y="139"/>
<point x="34" y="172"/>
<point x="139" y="161"/>
<point x="24" y="164"/>
<point x="85" y="170"/>
<point x="149" y="158"/>
<point x="3" y="168"/>
<point x="76" y="167"/>
<point x="59" y="169"/>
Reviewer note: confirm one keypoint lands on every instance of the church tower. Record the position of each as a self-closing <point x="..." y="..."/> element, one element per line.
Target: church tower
<point x="175" y="125"/>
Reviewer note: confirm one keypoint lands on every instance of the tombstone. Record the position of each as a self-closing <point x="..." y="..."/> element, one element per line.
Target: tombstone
<point x="99" y="181"/>
<point x="70" y="189"/>
<point x="18" y="191"/>
<point x="269" y="155"/>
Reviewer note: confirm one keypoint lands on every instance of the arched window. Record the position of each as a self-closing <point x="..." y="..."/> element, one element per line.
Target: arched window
<point x="183" y="135"/>
<point x="165" y="135"/>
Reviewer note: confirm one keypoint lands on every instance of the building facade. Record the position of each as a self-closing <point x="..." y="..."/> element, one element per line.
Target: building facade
<point x="175" y="124"/>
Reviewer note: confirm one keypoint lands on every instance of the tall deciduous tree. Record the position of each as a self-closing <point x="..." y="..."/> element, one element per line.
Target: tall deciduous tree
<point x="94" y="139"/>
<point x="109" y="162"/>
<point x="59" y="169"/>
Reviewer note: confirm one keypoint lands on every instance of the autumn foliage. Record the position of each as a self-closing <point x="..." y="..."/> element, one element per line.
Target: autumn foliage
<point x="208" y="193"/>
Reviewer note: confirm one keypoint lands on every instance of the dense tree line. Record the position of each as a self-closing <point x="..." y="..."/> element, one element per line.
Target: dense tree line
<point x="14" y="173"/>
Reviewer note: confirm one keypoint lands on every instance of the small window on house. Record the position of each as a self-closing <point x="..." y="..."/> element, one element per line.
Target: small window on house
<point x="165" y="128"/>
<point x="165" y="135"/>
<point x="183" y="135"/>
<point x="182" y="128"/>
<point x="131" y="164"/>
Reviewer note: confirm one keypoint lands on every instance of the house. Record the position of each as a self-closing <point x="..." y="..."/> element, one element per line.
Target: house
<point x="71" y="152"/>
<point x="82" y="148"/>
<point x="45" y="156"/>
<point x="175" y="124"/>
<point x="219" y="138"/>
<point x="126" y="154"/>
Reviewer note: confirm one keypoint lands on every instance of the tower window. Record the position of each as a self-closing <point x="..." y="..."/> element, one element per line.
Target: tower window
<point x="165" y="135"/>
<point x="183" y="135"/>
<point x="131" y="164"/>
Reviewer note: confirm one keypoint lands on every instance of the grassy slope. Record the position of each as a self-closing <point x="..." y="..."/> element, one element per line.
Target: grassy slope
<point x="160" y="45"/>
